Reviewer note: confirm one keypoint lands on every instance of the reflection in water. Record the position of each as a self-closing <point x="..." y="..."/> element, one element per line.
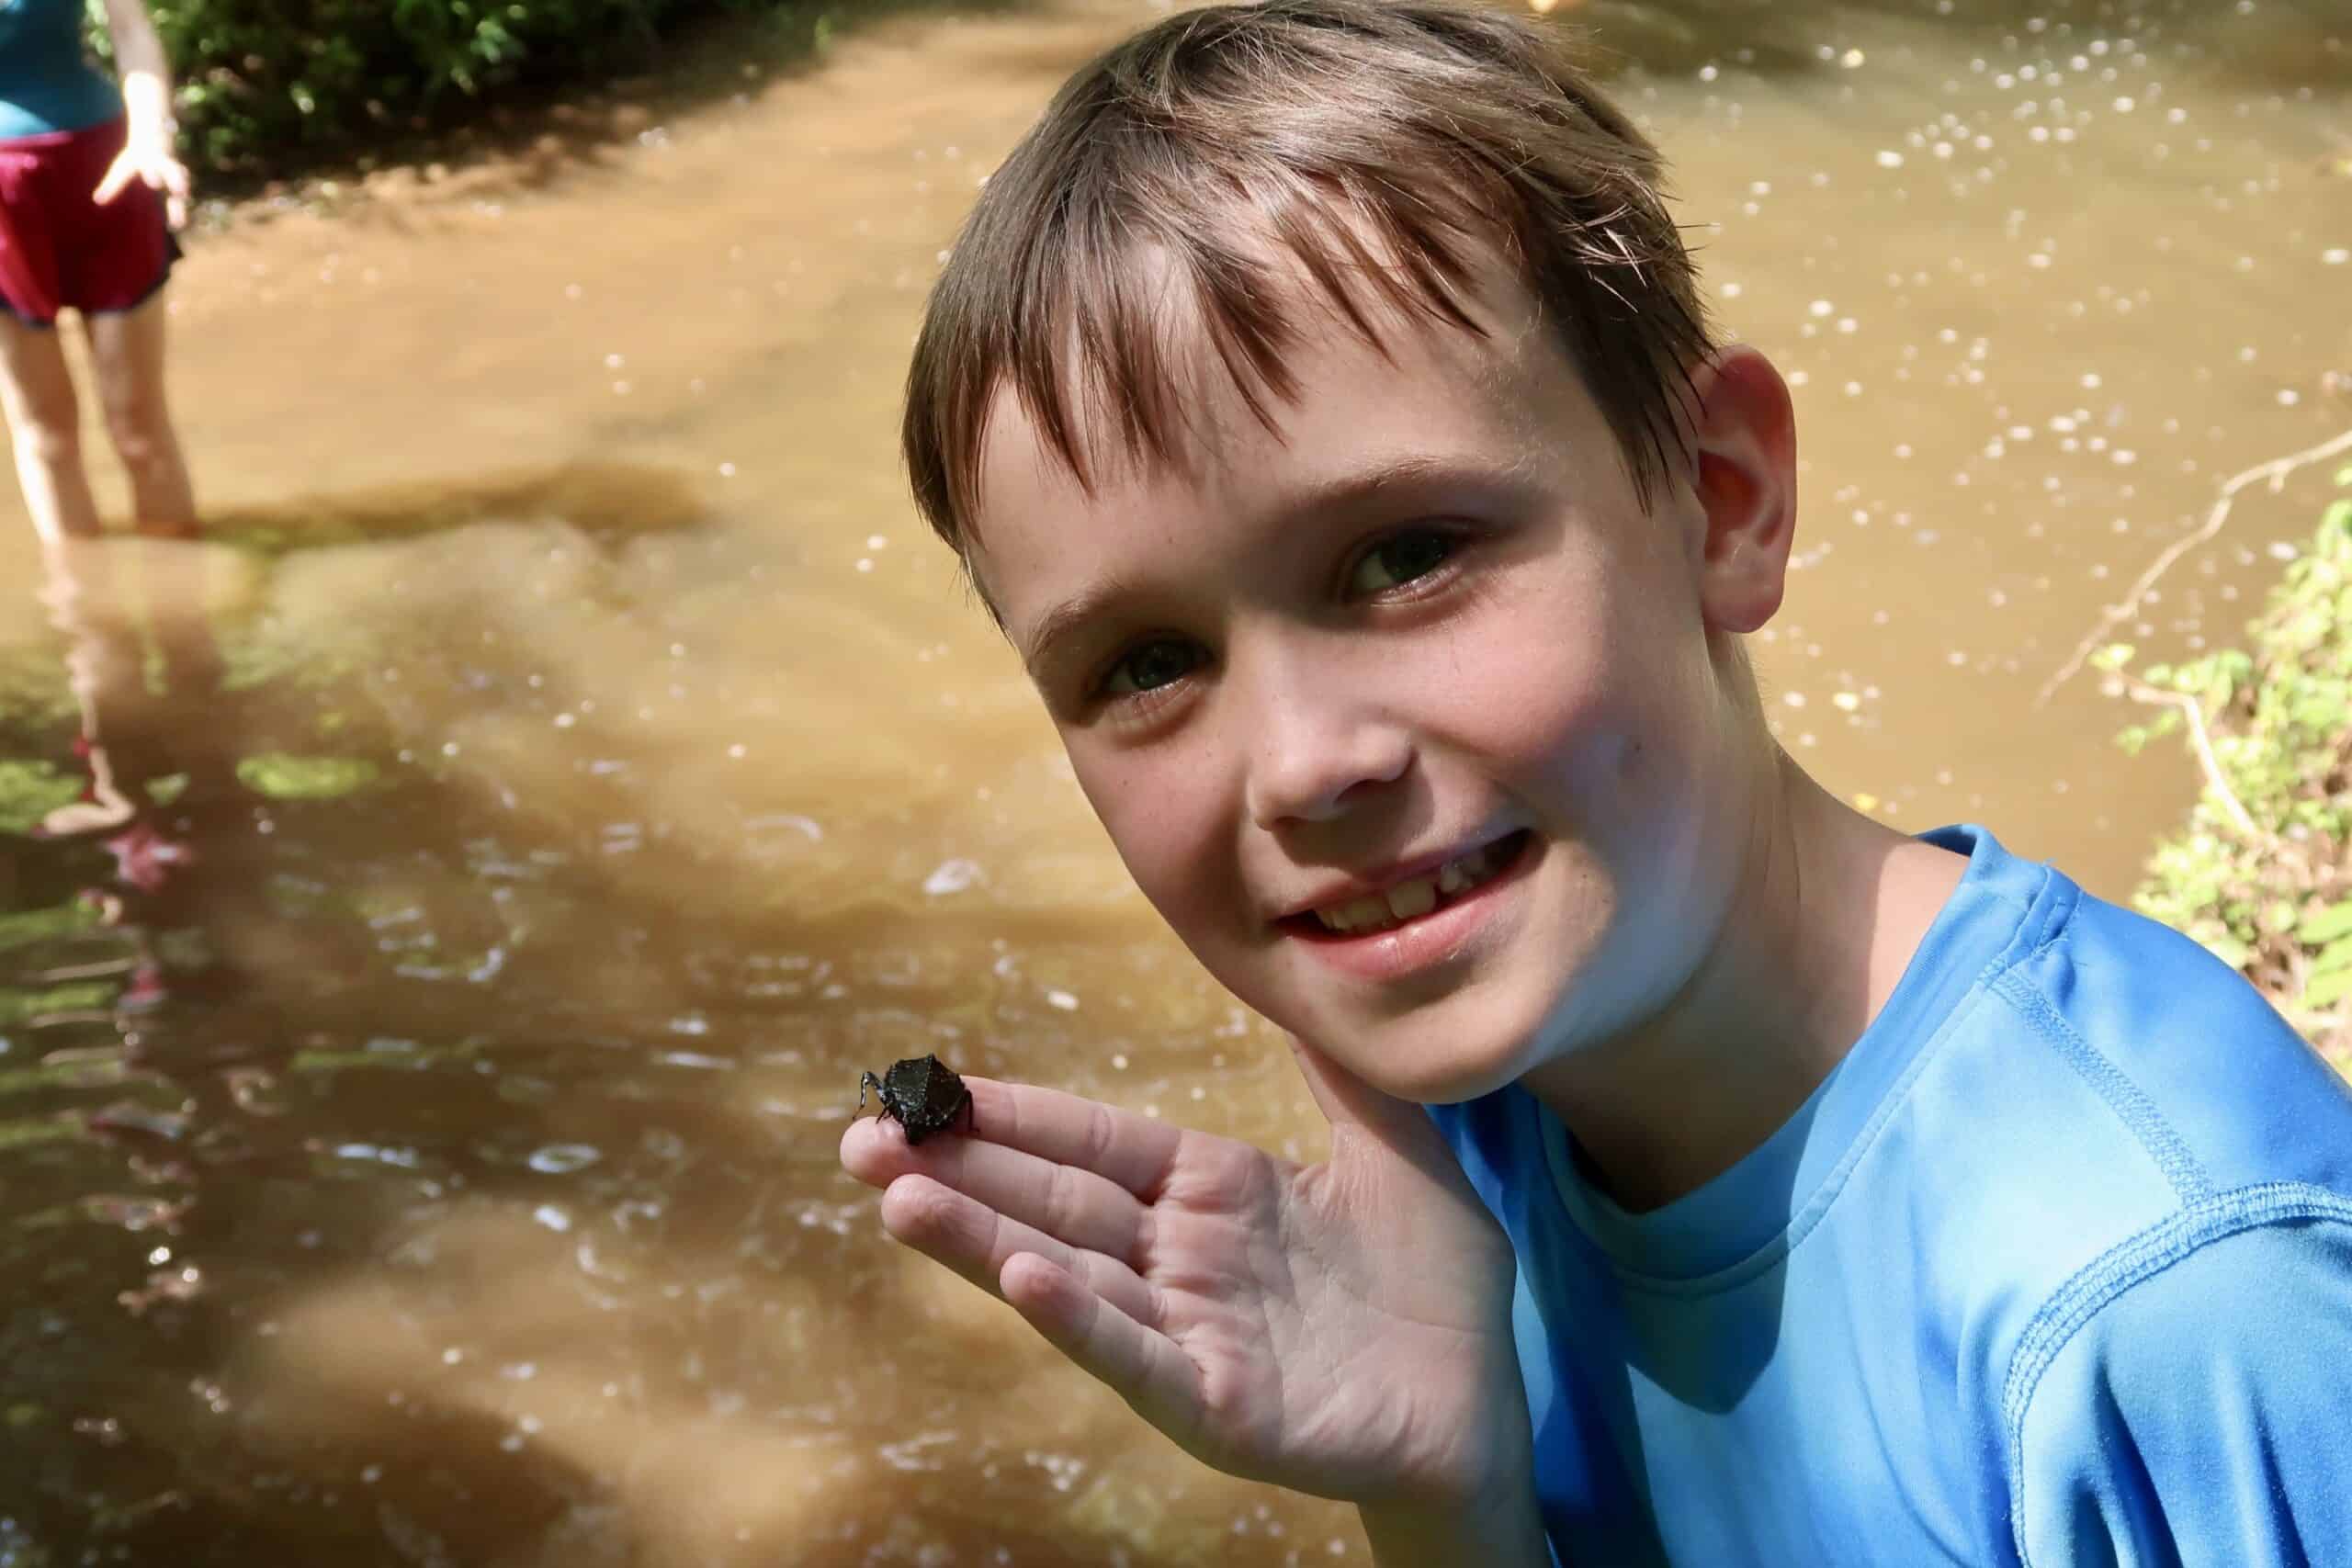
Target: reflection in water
<point x="446" y="920"/>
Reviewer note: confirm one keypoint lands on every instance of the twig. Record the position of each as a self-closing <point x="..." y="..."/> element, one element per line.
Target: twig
<point x="2140" y="691"/>
<point x="2115" y="615"/>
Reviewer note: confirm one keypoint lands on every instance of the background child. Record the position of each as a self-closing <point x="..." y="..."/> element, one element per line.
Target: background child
<point x="1321" y="400"/>
<point x="88" y="184"/>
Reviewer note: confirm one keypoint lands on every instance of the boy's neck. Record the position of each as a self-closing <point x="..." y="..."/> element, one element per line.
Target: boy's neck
<point x="1828" y="909"/>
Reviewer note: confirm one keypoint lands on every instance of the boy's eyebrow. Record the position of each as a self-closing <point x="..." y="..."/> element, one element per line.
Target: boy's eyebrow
<point x="1337" y="492"/>
<point x="1068" y="616"/>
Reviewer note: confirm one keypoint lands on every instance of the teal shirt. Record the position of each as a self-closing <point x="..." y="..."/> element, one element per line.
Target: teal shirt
<point x="2055" y="1271"/>
<point x="46" y="84"/>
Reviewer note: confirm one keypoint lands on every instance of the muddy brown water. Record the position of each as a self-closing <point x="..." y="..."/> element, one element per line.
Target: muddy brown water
<point x="417" y="1137"/>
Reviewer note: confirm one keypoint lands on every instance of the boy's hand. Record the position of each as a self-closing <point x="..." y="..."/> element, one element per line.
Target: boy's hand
<point x="1342" y="1328"/>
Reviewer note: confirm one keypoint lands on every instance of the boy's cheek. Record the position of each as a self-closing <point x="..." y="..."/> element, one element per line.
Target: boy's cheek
<point x="1159" y="836"/>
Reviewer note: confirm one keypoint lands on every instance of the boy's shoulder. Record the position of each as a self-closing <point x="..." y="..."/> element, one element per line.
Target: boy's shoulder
<point x="2185" y="1053"/>
<point x="2204" y="1231"/>
<point x="2100" y="1089"/>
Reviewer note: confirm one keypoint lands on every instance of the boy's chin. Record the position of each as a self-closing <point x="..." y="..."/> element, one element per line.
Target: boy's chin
<point x="1430" y="1058"/>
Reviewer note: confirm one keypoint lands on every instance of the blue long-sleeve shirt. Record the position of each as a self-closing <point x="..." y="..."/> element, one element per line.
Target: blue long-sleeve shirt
<point x="2054" y="1270"/>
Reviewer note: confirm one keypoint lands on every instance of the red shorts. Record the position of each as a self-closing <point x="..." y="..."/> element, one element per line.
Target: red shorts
<point x="60" y="248"/>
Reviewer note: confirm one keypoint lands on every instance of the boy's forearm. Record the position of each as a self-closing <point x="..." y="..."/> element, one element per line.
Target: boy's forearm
<point x="1507" y="1532"/>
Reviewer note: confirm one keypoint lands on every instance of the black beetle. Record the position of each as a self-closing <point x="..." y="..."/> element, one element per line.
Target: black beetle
<point x="923" y="1094"/>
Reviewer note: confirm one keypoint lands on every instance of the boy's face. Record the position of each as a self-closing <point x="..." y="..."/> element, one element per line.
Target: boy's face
<point x="1419" y="665"/>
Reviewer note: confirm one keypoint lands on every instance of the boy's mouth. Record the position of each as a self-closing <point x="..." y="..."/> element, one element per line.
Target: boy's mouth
<point x="1413" y="897"/>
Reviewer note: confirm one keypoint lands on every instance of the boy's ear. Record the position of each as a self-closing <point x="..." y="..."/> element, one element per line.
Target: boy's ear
<point x="1746" y="481"/>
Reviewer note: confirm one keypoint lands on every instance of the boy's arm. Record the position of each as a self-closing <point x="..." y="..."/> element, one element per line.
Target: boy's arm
<point x="2195" y="1413"/>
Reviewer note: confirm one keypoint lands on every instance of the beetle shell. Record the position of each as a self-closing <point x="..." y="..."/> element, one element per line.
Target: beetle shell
<point x="923" y="1094"/>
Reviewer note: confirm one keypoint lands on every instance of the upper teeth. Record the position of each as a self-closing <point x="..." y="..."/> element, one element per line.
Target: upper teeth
<point x="1407" y="899"/>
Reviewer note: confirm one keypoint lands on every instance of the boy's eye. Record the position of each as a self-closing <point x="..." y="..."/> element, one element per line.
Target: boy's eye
<point x="1398" y="559"/>
<point x="1149" y="667"/>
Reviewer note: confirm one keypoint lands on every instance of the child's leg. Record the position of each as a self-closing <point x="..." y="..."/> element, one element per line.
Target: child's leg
<point x="44" y="424"/>
<point x="127" y="353"/>
<point x="127" y="360"/>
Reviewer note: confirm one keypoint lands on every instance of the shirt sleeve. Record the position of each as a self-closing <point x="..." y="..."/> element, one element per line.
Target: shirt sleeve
<point x="2202" y="1416"/>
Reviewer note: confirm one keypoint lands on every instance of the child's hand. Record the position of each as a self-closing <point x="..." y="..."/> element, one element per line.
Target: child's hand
<point x="149" y="159"/>
<point x="1341" y="1328"/>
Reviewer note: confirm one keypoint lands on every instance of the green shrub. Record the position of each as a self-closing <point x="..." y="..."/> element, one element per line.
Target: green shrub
<point x="262" y="83"/>
<point x="2274" y="902"/>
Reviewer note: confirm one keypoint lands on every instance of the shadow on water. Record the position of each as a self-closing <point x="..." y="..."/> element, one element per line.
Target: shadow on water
<point x="399" y="1165"/>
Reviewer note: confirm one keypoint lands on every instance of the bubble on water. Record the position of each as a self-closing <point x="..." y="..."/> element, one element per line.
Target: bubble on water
<point x="1061" y="1001"/>
<point x="2336" y="256"/>
<point x="953" y="876"/>
<point x="561" y="1159"/>
<point x="553" y="1216"/>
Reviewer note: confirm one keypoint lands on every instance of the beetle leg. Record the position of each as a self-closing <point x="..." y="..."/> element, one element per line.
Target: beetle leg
<point x="971" y="1116"/>
<point x="864" y="1082"/>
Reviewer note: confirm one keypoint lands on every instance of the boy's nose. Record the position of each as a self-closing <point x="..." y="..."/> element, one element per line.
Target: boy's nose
<point x="1313" y="760"/>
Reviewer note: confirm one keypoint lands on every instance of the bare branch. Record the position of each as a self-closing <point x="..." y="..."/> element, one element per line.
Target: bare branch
<point x="2140" y="691"/>
<point x="2115" y="615"/>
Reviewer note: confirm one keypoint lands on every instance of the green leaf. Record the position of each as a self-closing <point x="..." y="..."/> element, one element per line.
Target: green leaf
<point x="2326" y="990"/>
<point x="2326" y="925"/>
<point x="2334" y="956"/>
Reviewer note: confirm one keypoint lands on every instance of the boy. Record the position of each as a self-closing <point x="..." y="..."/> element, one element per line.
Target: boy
<point x="1321" y="400"/>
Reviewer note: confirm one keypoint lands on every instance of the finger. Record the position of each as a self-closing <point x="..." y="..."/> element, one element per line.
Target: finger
<point x="1134" y="1151"/>
<point x="968" y="1237"/>
<point x="1143" y="1366"/>
<point x="1070" y="1203"/>
<point x="110" y="185"/>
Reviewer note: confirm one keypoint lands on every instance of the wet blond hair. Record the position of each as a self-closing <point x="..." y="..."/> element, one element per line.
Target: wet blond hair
<point x="1177" y="189"/>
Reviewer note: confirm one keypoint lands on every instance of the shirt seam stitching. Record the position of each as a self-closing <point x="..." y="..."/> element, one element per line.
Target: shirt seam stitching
<point x="2105" y="1280"/>
<point x="2147" y="1126"/>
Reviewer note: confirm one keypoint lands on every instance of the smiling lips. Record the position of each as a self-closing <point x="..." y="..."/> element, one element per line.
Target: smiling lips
<point x="1415" y="897"/>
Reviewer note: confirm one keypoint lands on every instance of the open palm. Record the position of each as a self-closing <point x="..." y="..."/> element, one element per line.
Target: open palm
<point x="1341" y="1328"/>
